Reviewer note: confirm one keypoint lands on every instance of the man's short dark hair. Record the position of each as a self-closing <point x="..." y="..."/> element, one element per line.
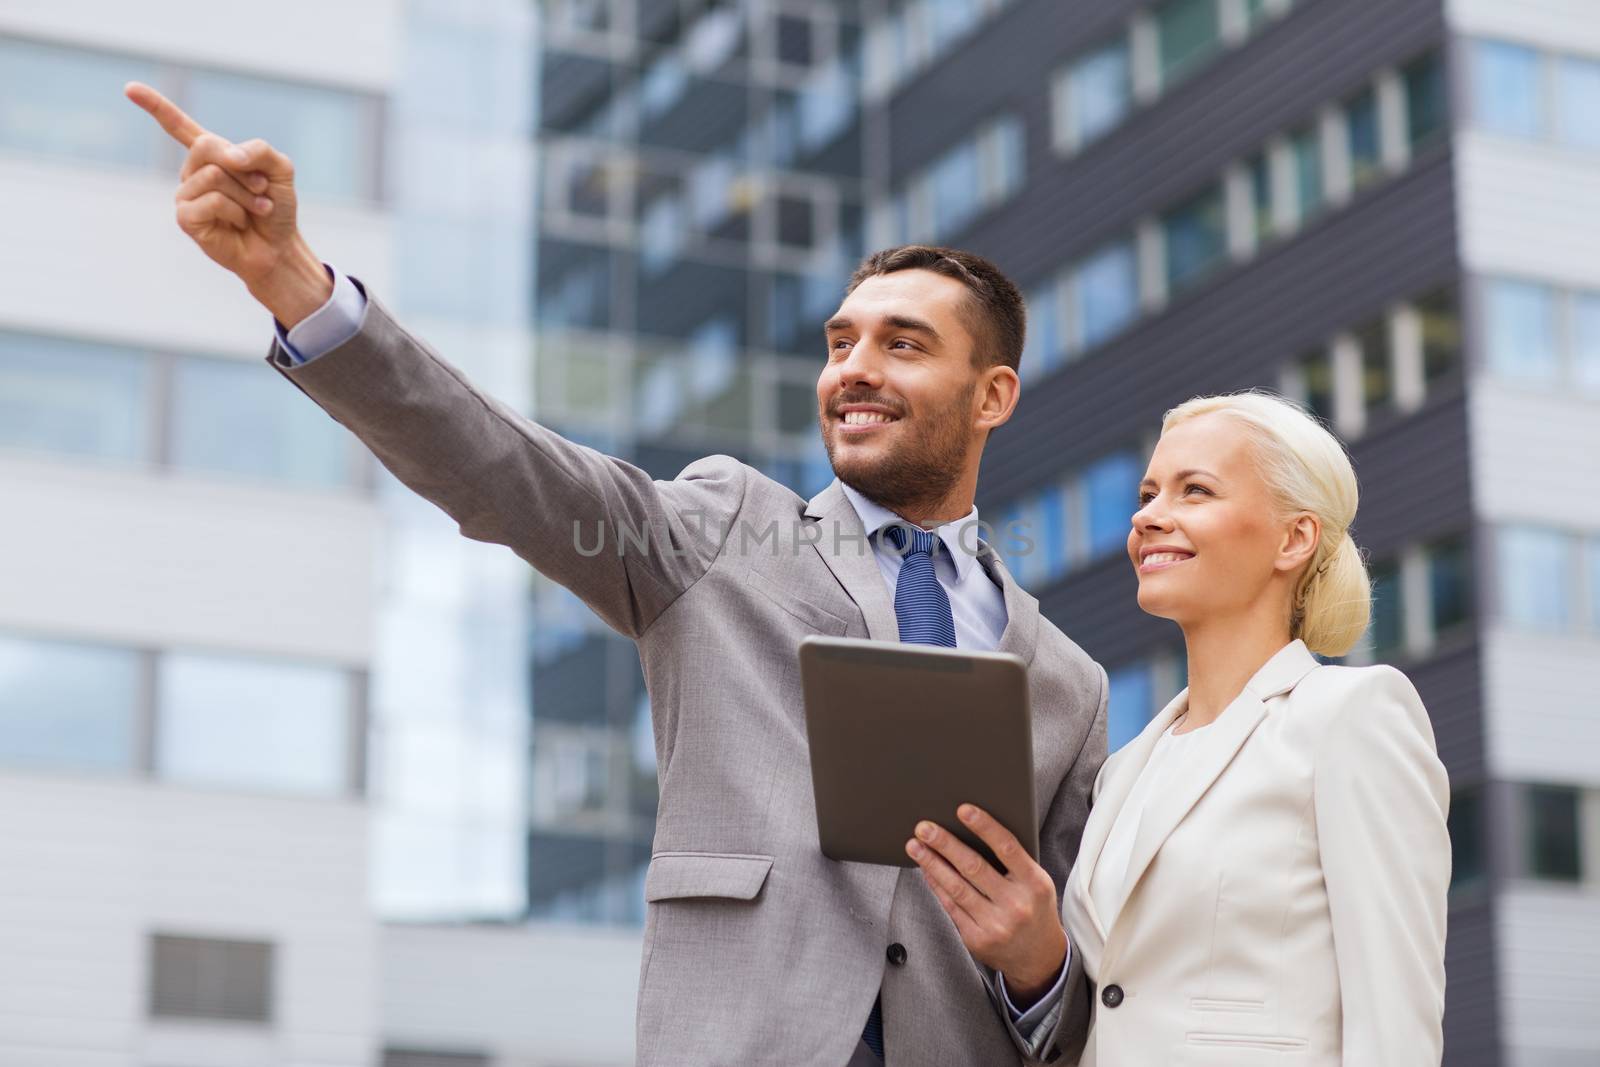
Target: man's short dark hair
<point x="997" y="316"/>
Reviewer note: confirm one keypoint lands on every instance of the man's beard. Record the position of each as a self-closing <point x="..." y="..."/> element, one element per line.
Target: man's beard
<point x="920" y="470"/>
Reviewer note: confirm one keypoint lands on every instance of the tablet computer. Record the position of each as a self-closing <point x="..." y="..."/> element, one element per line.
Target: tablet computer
<point x="900" y="733"/>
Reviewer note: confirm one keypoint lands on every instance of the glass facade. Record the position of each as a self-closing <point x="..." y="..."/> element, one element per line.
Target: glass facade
<point x="67" y="103"/>
<point x="1110" y="488"/>
<point x="1107" y="292"/>
<point x="1535" y="568"/>
<point x="1506" y="89"/>
<point x="1521" y="331"/>
<point x="703" y="205"/>
<point x="1131" y="703"/>
<point x="1188" y="31"/>
<point x="246" y="723"/>
<point x="1196" y="238"/>
<point x="1578" y="101"/>
<point x="223" y="422"/>
<point x="1093" y="95"/>
<point x="1552" y="832"/>
<point x="68" y="706"/>
<point x="1365" y="143"/>
<point x="74" y="398"/>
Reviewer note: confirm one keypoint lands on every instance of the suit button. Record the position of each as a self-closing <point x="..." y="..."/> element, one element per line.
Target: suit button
<point x="897" y="953"/>
<point x="1111" y="996"/>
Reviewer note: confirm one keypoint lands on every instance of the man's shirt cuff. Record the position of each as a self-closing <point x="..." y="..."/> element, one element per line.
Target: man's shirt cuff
<point x="328" y="327"/>
<point x="1025" y="1021"/>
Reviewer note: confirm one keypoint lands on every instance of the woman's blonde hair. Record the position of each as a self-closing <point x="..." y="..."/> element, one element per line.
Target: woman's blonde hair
<point x="1306" y="469"/>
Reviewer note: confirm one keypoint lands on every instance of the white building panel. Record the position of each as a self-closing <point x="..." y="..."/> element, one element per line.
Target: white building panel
<point x="1542" y="709"/>
<point x="353" y="43"/>
<point x="530" y="996"/>
<point x="1533" y="453"/>
<point x="1568" y="25"/>
<point x="93" y="868"/>
<point x="1527" y="208"/>
<point x="1549" y="949"/>
<point x="137" y="557"/>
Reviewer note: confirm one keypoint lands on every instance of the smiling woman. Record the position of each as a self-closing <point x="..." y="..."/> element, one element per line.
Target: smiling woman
<point x="1265" y="867"/>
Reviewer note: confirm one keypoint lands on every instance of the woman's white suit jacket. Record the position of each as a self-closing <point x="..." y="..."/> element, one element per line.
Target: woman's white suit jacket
<point x="1284" y="903"/>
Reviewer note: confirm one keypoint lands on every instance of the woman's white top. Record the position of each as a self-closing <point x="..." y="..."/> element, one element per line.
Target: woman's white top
<point x="1110" y="874"/>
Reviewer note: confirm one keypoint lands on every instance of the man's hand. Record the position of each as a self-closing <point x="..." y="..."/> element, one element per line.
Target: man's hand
<point x="237" y="203"/>
<point x="1010" y="922"/>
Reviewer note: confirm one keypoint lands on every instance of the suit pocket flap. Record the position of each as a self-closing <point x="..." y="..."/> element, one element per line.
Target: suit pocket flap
<point x="685" y="875"/>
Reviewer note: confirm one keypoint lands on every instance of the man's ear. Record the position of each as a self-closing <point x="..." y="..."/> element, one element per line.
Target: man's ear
<point x="1300" y="540"/>
<point x="998" y="391"/>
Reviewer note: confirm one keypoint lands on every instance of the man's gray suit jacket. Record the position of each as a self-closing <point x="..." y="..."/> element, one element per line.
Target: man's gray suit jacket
<point x="757" y="949"/>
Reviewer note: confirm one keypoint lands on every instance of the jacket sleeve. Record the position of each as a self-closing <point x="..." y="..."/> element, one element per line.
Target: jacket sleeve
<point x="1059" y="1036"/>
<point x="628" y="546"/>
<point x="1381" y="797"/>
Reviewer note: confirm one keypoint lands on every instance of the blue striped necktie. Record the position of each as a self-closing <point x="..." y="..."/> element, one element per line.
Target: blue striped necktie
<point x="922" y="608"/>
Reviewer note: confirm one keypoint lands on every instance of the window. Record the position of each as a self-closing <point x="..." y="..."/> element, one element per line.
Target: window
<point x="1106" y="291"/>
<point x="1426" y="101"/>
<point x="1051" y="541"/>
<point x="1129" y="705"/>
<point x="1441" y="333"/>
<point x="1592" y="550"/>
<point x="1505" y="89"/>
<point x="1093" y="96"/>
<point x="1534" y="571"/>
<point x="1361" y="125"/>
<point x="330" y="135"/>
<point x="1187" y="32"/>
<point x="954" y="187"/>
<point x="1388" y="626"/>
<point x="661" y="234"/>
<point x="1196" y="238"/>
<point x="1449" y="584"/>
<point x="1046" y="339"/>
<point x="1468" y="864"/>
<point x="1521" y="330"/>
<point x="1002" y="159"/>
<point x="1578" y="102"/>
<point x="404" y="1057"/>
<point x="827" y="104"/>
<point x="1305" y="149"/>
<point x="68" y="103"/>
<point x="1551" y="831"/>
<point x="1110" y="494"/>
<point x="253" y="723"/>
<point x="74" y="398"/>
<point x="67" y="706"/>
<point x="225" y="421"/>
<point x="206" y="978"/>
<point x="1377" y="367"/>
<point x="1586" y="339"/>
<point x="1316" y="371"/>
<point x="1258" y="173"/>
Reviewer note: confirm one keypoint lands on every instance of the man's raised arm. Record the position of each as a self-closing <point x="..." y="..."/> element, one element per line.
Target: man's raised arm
<point x="627" y="545"/>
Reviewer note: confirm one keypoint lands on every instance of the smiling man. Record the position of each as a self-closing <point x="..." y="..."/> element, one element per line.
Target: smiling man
<point x="757" y="948"/>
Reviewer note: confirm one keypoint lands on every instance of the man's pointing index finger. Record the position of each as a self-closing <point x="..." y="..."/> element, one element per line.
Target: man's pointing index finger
<point x="182" y="128"/>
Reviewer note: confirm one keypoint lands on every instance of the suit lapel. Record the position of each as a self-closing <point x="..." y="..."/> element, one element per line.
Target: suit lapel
<point x="1222" y="741"/>
<point x="1113" y="795"/>
<point x="843" y="546"/>
<point x="1021" y="635"/>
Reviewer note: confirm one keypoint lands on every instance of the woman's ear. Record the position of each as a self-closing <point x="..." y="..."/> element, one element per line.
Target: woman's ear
<point x="1300" y="540"/>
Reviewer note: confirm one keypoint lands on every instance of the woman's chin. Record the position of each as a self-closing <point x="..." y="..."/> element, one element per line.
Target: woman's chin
<point x="1153" y="603"/>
